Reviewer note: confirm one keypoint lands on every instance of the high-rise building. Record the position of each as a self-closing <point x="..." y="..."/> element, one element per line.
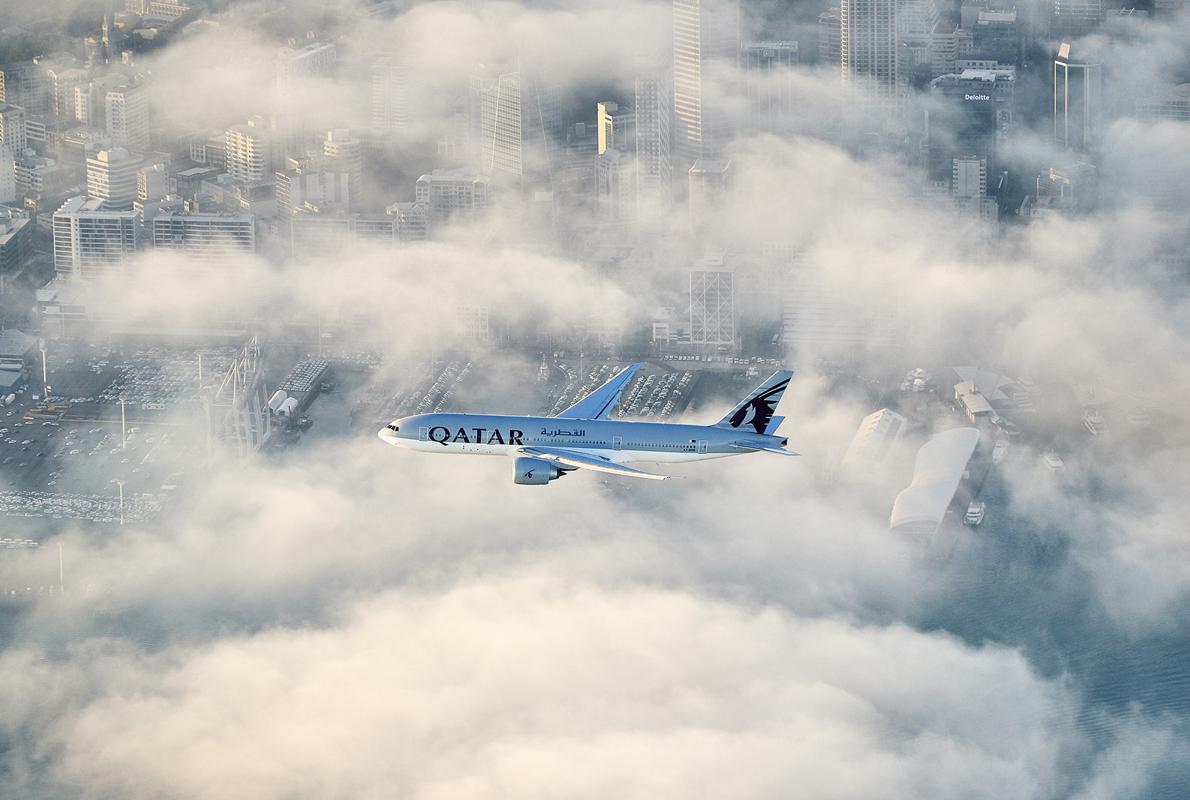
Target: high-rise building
<point x="111" y="177"/>
<point x="498" y="97"/>
<point x="8" y="175"/>
<point x="654" y="174"/>
<point x="64" y="81"/>
<point x="868" y="45"/>
<point x="315" y="184"/>
<point x="348" y="152"/>
<point x="768" y="82"/>
<point x="971" y="116"/>
<point x="1074" y="18"/>
<point x="706" y="37"/>
<point x="249" y="152"/>
<point x="152" y="182"/>
<point x="969" y="178"/>
<point x="89" y="240"/>
<point x="127" y="116"/>
<point x="390" y="99"/>
<point x="998" y="35"/>
<point x="707" y="183"/>
<point x="450" y="195"/>
<point x="1077" y="102"/>
<point x="615" y="187"/>
<point x="209" y="237"/>
<point x="410" y="222"/>
<point x="615" y="128"/>
<point x="12" y="129"/>
<point x="16" y="238"/>
<point x="516" y="121"/>
<point x="1172" y="103"/>
<point x="829" y="39"/>
<point x="712" y="307"/>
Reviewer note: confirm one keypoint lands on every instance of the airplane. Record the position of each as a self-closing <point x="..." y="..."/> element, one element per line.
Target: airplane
<point x="582" y="436"/>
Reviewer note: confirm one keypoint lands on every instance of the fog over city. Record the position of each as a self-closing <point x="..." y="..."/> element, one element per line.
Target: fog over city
<point x="206" y="592"/>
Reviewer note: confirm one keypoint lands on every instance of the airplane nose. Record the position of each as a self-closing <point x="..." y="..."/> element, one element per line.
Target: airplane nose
<point x="387" y="436"/>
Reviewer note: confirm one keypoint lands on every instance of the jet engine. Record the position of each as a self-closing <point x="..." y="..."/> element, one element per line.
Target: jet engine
<point x="535" y="471"/>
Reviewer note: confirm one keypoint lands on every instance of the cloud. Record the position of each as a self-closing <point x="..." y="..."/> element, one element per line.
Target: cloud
<point x="540" y="686"/>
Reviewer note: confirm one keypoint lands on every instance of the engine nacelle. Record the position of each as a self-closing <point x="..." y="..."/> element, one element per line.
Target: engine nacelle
<point x="535" y="471"/>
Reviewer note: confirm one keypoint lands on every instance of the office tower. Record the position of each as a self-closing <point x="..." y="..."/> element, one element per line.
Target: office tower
<point x="868" y="45"/>
<point x="152" y="182"/>
<point x="89" y="240"/>
<point x="312" y="59"/>
<point x="615" y="128"/>
<point x="712" y="307"/>
<point x="998" y="35"/>
<point x="127" y="115"/>
<point x="248" y="153"/>
<point x="768" y="81"/>
<point x="348" y="152"/>
<point x="210" y="237"/>
<point x="653" y="167"/>
<point x="16" y="238"/>
<point x="315" y="184"/>
<point x="706" y="37"/>
<point x="615" y="187"/>
<point x="1171" y="103"/>
<point x="450" y="195"/>
<point x="8" y="175"/>
<point x="829" y="39"/>
<point x="64" y="99"/>
<point x="3" y="88"/>
<point x="12" y="129"/>
<point x="1074" y="18"/>
<point x="971" y="116"/>
<point x="497" y="98"/>
<point x="410" y="222"/>
<point x="708" y="179"/>
<point x="1077" y="102"/>
<point x="111" y="177"/>
<point x="516" y="121"/>
<point x="969" y="178"/>
<point x="390" y="109"/>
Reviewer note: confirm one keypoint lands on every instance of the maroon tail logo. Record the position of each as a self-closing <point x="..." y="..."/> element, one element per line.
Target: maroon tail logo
<point x="760" y="409"/>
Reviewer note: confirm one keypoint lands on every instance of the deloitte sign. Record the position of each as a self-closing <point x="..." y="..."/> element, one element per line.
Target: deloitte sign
<point x="976" y="97"/>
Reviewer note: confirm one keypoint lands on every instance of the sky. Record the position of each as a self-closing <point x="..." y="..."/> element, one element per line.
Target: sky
<point x="353" y="622"/>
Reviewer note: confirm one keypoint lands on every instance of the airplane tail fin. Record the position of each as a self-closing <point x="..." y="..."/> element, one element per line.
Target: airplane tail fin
<point x="756" y="411"/>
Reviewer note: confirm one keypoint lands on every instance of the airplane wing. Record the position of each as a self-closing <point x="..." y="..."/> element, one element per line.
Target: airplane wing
<point x="577" y="460"/>
<point x="760" y="448"/>
<point x="599" y="403"/>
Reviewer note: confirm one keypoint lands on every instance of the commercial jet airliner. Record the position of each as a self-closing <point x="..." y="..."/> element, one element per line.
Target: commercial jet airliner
<point x="582" y="437"/>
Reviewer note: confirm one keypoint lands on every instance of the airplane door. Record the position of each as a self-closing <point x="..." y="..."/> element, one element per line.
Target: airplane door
<point x="423" y="434"/>
<point x="702" y="445"/>
<point x="617" y="442"/>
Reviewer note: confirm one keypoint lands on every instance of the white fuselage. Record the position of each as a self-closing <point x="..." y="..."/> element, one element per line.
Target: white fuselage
<point x="617" y="441"/>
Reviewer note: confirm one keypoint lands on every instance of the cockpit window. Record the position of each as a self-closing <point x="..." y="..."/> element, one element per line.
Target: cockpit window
<point x="393" y="428"/>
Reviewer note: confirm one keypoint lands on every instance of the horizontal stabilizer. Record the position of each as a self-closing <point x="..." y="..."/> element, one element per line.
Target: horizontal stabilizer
<point x="577" y="460"/>
<point x="763" y="448"/>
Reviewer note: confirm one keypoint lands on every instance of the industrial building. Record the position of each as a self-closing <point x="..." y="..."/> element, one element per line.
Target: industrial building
<point x="937" y="471"/>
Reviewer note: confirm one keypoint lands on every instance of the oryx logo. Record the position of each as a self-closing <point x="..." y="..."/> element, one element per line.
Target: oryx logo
<point x="759" y="410"/>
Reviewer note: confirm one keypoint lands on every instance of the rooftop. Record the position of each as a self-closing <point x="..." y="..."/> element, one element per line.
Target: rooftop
<point x="936" y="474"/>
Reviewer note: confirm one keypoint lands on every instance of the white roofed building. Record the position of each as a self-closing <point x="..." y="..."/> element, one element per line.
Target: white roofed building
<point x="921" y="506"/>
